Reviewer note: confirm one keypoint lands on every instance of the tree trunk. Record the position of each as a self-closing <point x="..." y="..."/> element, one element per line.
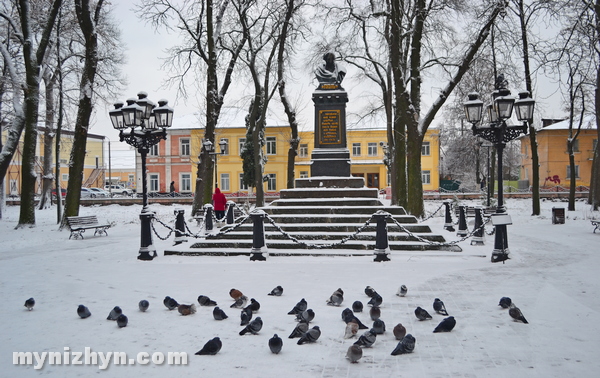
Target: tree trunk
<point x="572" y="179"/>
<point x="594" y="196"/>
<point x="46" y="195"/>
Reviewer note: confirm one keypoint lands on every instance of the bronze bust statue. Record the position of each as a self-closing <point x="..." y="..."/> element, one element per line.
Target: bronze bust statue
<point x="330" y="73"/>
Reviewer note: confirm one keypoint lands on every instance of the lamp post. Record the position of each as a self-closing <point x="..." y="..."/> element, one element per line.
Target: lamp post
<point x="142" y="125"/>
<point x="498" y="132"/>
<point x="208" y="146"/>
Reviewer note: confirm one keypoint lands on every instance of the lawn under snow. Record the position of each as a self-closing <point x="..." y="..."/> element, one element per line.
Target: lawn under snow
<point x="552" y="276"/>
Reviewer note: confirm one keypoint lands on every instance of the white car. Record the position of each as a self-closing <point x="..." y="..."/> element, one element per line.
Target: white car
<point x="100" y="193"/>
<point x="87" y="193"/>
<point x="118" y="189"/>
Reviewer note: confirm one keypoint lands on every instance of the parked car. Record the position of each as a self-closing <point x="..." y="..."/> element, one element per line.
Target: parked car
<point x="63" y="193"/>
<point x="100" y="193"/>
<point x="87" y="193"/>
<point x="118" y="189"/>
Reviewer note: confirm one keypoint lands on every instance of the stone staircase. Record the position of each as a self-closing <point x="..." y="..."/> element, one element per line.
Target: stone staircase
<point x="325" y="220"/>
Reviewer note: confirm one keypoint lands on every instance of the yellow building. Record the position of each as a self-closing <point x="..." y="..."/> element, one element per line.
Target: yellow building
<point x="553" y="155"/>
<point x="366" y="148"/>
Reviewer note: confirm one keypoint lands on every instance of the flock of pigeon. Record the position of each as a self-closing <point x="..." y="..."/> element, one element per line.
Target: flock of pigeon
<point x="304" y="315"/>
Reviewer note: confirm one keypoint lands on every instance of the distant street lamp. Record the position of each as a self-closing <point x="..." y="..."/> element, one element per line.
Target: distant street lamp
<point x="498" y="132"/>
<point x="488" y="176"/>
<point x="146" y="126"/>
<point x="208" y="146"/>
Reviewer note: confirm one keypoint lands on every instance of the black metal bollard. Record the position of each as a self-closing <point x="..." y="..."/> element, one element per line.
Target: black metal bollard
<point x="462" y="222"/>
<point x="179" y="226"/>
<point x="478" y="238"/>
<point x="259" y="248"/>
<point x="382" y="247"/>
<point x="230" y="208"/>
<point x="208" y="217"/>
<point x="448" y="220"/>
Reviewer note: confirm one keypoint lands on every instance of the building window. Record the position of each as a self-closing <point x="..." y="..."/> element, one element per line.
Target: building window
<point x="372" y="149"/>
<point x="184" y="147"/>
<point x="65" y="177"/>
<point x="426" y="177"/>
<point x="153" y="151"/>
<point x="425" y="149"/>
<point x="271" y="146"/>
<point x="356" y="149"/>
<point x="186" y="182"/>
<point x="226" y="150"/>
<point x="241" y="142"/>
<point x="154" y="182"/>
<point x="575" y="145"/>
<point x="272" y="182"/>
<point x="13" y="188"/>
<point x="303" y="174"/>
<point x="303" y="152"/>
<point x="242" y="185"/>
<point x="131" y="178"/>
<point x="569" y="172"/>
<point x="225" y="182"/>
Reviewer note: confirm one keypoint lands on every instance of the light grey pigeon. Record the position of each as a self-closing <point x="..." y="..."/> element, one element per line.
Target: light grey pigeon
<point x="122" y="321"/>
<point x="277" y="291"/>
<point x="299" y="330"/>
<point x="30" y="303"/>
<point x="212" y="347"/>
<point x="306" y="316"/>
<point x="114" y="313"/>
<point x="83" y="312"/>
<point x="311" y="336"/>
<point x="253" y="327"/>
<point x="402" y="290"/>
<point x="406" y="345"/>
<point x="143" y="305"/>
<point x="241" y="302"/>
<point x="354" y="353"/>
<point x="367" y="339"/>
<point x="203" y="300"/>
<point x="299" y="307"/>
<point x="422" y="314"/>
<point x="219" y="314"/>
<point x="445" y="325"/>
<point x="275" y="344"/>
<point x="336" y="298"/>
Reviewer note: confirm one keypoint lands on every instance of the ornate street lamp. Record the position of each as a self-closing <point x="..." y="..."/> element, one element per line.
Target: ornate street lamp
<point x="208" y="146"/>
<point x="142" y="125"/>
<point x="498" y="132"/>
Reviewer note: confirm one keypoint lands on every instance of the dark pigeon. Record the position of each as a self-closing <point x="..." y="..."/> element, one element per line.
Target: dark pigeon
<point x="357" y="306"/>
<point x="505" y="302"/>
<point x="367" y="339"/>
<point x="352" y="318"/>
<point x="299" y="307"/>
<point x="277" y="291"/>
<point x="83" y="312"/>
<point x="275" y="344"/>
<point x="375" y="313"/>
<point x="354" y="353"/>
<point x="379" y="326"/>
<point x="439" y="307"/>
<point x="311" y="336"/>
<point x="516" y="314"/>
<point x="203" y="300"/>
<point x="170" y="303"/>
<point x="143" y="305"/>
<point x="254" y="305"/>
<point x="211" y="347"/>
<point x="245" y="316"/>
<point x="406" y="345"/>
<point x="114" y="313"/>
<point x="422" y="314"/>
<point x="399" y="331"/>
<point x="370" y="291"/>
<point x="253" y="327"/>
<point x="122" y="321"/>
<point x="402" y="291"/>
<point x="306" y="316"/>
<point x="445" y="325"/>
<point x="346" y="312"/>
<point x="299" y="330"/>
<point x="376" y="300"/>
<point x="219" y="314"/>
<point x="30" y="303"/>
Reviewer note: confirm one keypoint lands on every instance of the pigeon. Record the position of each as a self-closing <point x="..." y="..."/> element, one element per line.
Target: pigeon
<point x="122" y="321"/>
<point x="114" y="313"/>
<point x="186" y="309"/>
<point x="203" y="300"/>
<point x="219" y="314"/>
<point x="299" y="307"/>
<point x="170" y="303"/>
<point x="299" y="330"/>
<point x="406" y="345"/>
<point x="367" y="339"/>
<point x="246" y="316"/>
<point x="354" y="353"/>
<point x="212" y="347"/>
<point x="275" y="344"/>
<point x="439" y="307"/>
<point x="253" y="327"/>
<point x="336" y="298"/>
<point x="375" y="313"/>
<point x="254" y="305"/>
<point x="351" y="330"/>
<point x="346" y="312"/>
<point x="352" y="318"/>
<point x="306" y="316"/>
<point x="357" y="306"/>
<point x="422" y="314"/>
<point x="505" y="302"/>
<point x="83" y="312"/>
<point x="370" y="291"/>
<point x="379" y="327"/>
<point x="30" y="303"/>
<point x="240" y="302"/>
<point x="376" y="300"/>
<point x="277" y="291"/>
<point x="143" y="305"/>
<point x="402" y="291"/>
<point x="516" y="313"/>
<point x="235" y="294"/>
<point x="310" y="336"/>
<point x="445" y="325"/>
<point x="399" y="331"/>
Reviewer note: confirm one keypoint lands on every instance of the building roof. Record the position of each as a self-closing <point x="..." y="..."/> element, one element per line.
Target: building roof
<point x="589" y="123"/>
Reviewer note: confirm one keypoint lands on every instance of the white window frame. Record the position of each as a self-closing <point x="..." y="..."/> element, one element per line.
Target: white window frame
<point x="226" y="151"/>
<point x="153" y="150"/>
<point x="153" y="182"/>
<point x="356" y="149"/>
<point x="372" y="149"/>
<point x="242" y="185"/>
<point x="426" y="149"/>
<point x="569" y="172"/>
<point x="184" y="146"/>
<point x="241" y="142"/>
<point x="426" y="177"/>
<point x="303" y="150"/>
<point x="271" y="144"/>
<point x="65" y="177"/>
<point x="272" y="182"/>
<point x="224" y="182"/>
<point x="303" y="174"/>
<point x="185" y="182"/>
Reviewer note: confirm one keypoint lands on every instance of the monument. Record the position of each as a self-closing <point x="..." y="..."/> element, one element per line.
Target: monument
<point x="330" y="156"/>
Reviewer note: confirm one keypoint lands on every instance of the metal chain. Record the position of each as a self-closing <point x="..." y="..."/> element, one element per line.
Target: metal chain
<point x="237" y="225"/>
<point x="432" y="215"/>
<point x="166" y="226"/>
<point x="439" y="243"/>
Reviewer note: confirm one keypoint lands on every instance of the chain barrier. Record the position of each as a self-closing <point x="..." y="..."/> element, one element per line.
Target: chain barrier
<point x="231" y="229"/>
<point x="319" y="246"/>
<point x="171" y="229"/>
<point x="432" y="215"/>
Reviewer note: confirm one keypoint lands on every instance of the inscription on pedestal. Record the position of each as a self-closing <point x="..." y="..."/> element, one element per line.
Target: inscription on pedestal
<point x="329" y="127"/>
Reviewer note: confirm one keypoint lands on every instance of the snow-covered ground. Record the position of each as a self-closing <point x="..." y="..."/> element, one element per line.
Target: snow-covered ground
<point x="552" y="276"/>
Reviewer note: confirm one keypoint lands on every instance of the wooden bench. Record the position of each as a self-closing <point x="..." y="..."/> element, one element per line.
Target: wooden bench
<point x="596" y="224"/>
<point x="78" y="225"/>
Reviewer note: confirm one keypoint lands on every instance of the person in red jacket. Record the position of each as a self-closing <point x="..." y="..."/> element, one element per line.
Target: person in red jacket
<point x="219" y="203"/>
